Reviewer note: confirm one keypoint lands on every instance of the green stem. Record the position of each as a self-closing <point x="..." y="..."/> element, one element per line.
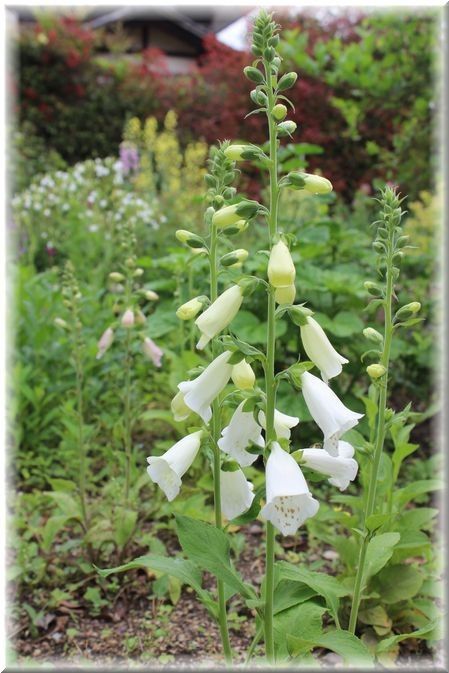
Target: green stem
<point x="254" y="643"/>
<point x="81" y="440"/>
<point x="215" y="429"/>
<point x="269" y="372"/>
<point x="380" y="438"/>
<point x="127" y="399"/>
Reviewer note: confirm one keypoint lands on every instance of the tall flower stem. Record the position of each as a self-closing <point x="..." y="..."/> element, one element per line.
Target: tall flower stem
<point x="127" y="436"/>
<point x="270" y="386"/>
<point x="215" y="430"/>
<point x="380" y="434"/>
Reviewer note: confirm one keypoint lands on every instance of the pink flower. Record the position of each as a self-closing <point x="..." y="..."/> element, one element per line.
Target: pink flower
<point x="106" y="340"/>
<point x="152" y="351"/>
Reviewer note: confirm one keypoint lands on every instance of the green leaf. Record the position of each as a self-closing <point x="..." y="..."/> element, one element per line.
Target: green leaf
<point x="404" y="495"/>
<point x="288" y="593"/>
<point x="425" y="632"/>
<point x="348" y="646"/>
<point x="375" y="521"/>
<point x="376" y="617"/>
<point x="379" y="551"/>
<point x="398" y="583"/>
<point x="303" y="620"/>
<point x="68" y="505"/>
<point x="208" y="547"/>
<point x="124" y="524"/>
<point x="324" y="585"/>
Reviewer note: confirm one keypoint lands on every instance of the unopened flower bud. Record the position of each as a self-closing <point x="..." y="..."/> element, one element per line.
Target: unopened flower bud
<point x="179" y="408"/>
<point x="287" y="81"/>
<point x="128" y="318"/>
<point x="152" y="351"/>
<point x="285" y="295"/>
<point x="59" y="322"/>
<point x="299" y="315"/>
<point x="397" y="257"/>
<point x="235" y="257"/>
<point x="372" y="288"/>
<point x="151" y="295"/>
<point x="286" y="128"/>
<point x="315" y="184"/>
<point x="130" y="262"/>
<point x="140" y="318"/>
<point x="280" y="111"/>
<point x="243" y="376"/>
<point x="116" y="277"/>
<point x="192" y="240"/>
<point x="402" y="240"/>
<point x="230" y="215"/>
<point x="281" y="270"/>
<point x="138" y="272"/>
<point x="376" y="371"/>
<point x="253" y="74"/>
<point x="105" y="342"/>
<point x="191" y="308"/>
<point x="408" y="310"/>
<point x="242" y="152"/>
<point x="237" y="228"/>
<point x="373" y="335"/>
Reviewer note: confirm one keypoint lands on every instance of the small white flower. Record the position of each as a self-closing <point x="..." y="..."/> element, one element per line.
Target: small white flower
<point x="236" y="493"/>
<point x="328" y="412"/>
<point x="200" y="393"/>
<point x="167" y="470"/>
<point x="288" y="500"/>
<point x="282" y="423"/>
<point x="219" y="314"/>
<point x="320" y="350"/>
<point x="341" y="469"/>
<point x="241" y="432"/>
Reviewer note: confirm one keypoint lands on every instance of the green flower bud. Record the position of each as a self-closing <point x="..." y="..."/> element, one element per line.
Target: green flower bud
<point x="376" y="371"/>
<point x="280" y="111"/>
<point x="286" y="128"/>
<point x="191" y="308"/>
<point x="402" y="240"/>
<point x="315" y="184"/>
<point x="378" y="246"/>
<point x="116" y="277"/>
<point x="373" y="335"/>
<point x="138" y="272"/>
<point x="299" y="314"/>
<point x="287" y="81"/>
<point x="237" y="228"/>
<point x="235" y="257"/>
<point x="397" y="257"/>
<point x="59" y="322"/>
<point x="253" y="74"/>
<point x="269" y="54"/>
<point x="372" y="288"/>
<point x="192" y="240"/>
<point x="150" y="295"/>
<point x="242" y="152"/>
<point x="408" y="310"/>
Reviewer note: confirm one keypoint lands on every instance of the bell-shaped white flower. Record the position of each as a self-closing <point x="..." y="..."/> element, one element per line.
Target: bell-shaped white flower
<point x="320" y="350"/>
<point x="236" y="493"/>
<point x="281" y="270"/>
<point x="219" y="314"/>
<point x="328" y="412"/>
<point x="241" y="432"/>
<point x="282" y="423"/>
<point x="167" y="470"/>
<point x="200" y="393"/>
<point x="341" y="469"/>
<point x="288" y="499"/>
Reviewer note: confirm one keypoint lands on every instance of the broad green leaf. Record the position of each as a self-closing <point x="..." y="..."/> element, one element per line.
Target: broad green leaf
<point x="425" y="632"/>
<point x="417" y="518"/>
<point x="348" y="646"/>
<point x="404" y="495"/>
<point x="124" y="524"/>
<point x="208" y="547"/>
<point x="379" y="551"/>
<point x="376" y="617"/>
<point x="68" y="505"/>
<point x="324" y="585"/>
<point x="398" y="583"/>
<point x="52" y="527"/>
<point x="303" y="620"/>
<point x="288" y="593"/>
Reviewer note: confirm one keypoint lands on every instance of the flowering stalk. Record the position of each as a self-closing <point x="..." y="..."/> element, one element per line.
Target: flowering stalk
<point x="387" y="245"/>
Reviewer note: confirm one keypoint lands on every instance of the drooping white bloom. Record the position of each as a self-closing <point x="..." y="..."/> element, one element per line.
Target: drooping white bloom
<point x="219" y="314"/>
<point x="341" y="469"/>
<point x="239" y="434"/>
<point x="281" y="270"/>
<point x="243" y="376"/>
<point x="236" y="493"/>
<point x="320" y="350"/>
<point x="167" y="470"/>
<point x="179" y="408"/>
<point x="200" y="393"/>
<point x="282" y="423"/>
<point x="152" y="351"/>
<point x="288" y="499"/>
<point x="328" y="412"/>
<point x="105" y="342"/>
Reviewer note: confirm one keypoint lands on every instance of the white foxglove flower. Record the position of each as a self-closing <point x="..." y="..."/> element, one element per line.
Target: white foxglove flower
<point x="288" y="500"/>
<point x="241" y="432"/>
<point x="200" y="393"/>
<point x="341" y="469"/>
<point x="152" y="351"/>
<point x="281" y="270"/>
<point x="167" y="470"/>
<point x="328" y="412"/>
<point x="179" y="408"/>
<point x="219" y="314"/>
<point x="105" y="342"/>
<point x="243" y="376"/>
<point x="236" y="493"/>
<point x="282" y="423"/>
<point x="320" y="350"/>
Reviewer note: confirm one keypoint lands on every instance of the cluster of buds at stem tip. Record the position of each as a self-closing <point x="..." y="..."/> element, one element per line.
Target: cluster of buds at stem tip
<point x="315" y="184"/>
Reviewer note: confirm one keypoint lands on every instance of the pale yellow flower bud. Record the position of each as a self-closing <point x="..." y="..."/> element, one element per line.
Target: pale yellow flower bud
<point x="376" y="371"/>
<point x="60" y="322"/>
<point x="116" y="277"/>
<point x="243" y="376"/>
<point x="190" y="309"/>
<point x="281" y="270"/>
<point x="151" y="295"/>
<point x="285" y="295"/>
